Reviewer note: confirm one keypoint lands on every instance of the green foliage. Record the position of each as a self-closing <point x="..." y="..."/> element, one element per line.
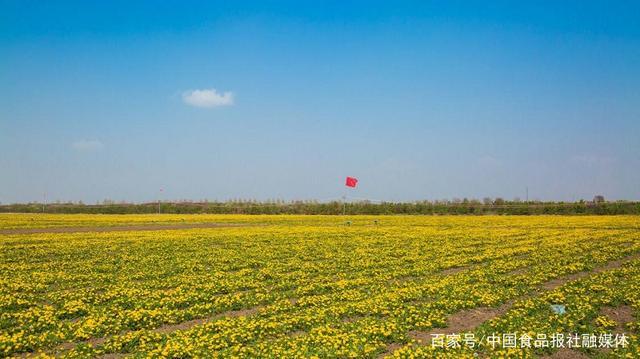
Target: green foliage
<point x="466" y="207"/>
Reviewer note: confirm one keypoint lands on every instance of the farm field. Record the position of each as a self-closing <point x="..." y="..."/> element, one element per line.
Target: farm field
<point x="317" y="286"/>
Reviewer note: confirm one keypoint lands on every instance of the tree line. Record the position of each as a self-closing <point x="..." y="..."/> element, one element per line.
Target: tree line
<point x="446" y="207"/>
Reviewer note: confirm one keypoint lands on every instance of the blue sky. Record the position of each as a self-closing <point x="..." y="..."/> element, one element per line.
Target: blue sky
<point x="262" y="100"/>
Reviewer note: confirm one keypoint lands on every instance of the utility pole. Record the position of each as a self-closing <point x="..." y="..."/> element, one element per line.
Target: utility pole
<point x="527" y="194"/>
<point x="44" y="201"/>
<point x="159" y="200"/>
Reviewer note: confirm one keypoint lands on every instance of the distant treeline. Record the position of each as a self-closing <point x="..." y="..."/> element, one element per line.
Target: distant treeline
<point x="461" y="207"/>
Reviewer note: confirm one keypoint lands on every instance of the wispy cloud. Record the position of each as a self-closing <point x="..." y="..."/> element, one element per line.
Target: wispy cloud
<point x="207" y="98"/>
<point x="87" y="145"/>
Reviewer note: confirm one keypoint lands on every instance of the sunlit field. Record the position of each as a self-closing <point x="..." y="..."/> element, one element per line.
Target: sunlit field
<point x="323" y="286"/>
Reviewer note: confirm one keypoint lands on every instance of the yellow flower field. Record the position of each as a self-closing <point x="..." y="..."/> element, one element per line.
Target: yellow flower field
<point x="315" y="286"/>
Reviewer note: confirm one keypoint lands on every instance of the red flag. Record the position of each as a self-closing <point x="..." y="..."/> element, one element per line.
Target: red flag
<point x="351" y="182"/>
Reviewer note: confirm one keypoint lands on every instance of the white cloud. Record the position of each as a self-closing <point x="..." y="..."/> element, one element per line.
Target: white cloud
<point x="87" y="145"/>
<point x="208" y="98"/>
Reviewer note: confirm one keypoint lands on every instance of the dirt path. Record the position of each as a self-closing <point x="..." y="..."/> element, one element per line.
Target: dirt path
<point x="469" y="320"/>
<point x="462" y="321"/>
<point x="164" y="329"/>
<point x="133" y="227"/>
<point x="622" y="315"/>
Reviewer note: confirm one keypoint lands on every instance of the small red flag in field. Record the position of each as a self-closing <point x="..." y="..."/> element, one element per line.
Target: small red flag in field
<point x="351" y="182"/>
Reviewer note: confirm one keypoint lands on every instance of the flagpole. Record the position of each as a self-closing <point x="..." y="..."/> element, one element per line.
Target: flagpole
<point x="344" y="200"/>
<point x="351" y="182"/>
<point x="344" y="205"/>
